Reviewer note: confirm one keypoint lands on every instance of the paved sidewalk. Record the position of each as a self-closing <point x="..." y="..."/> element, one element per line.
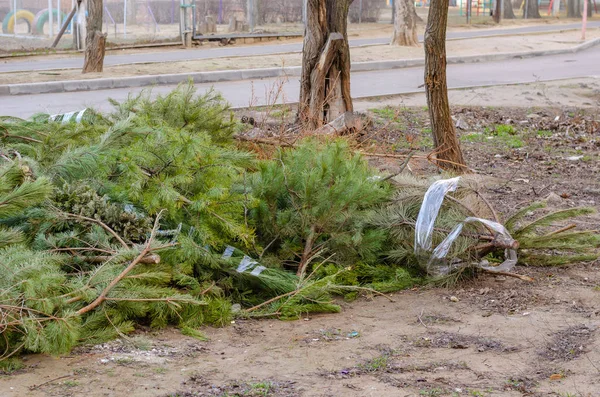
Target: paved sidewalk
<point x="269" y="49"/>
<point x="364" y="84"/>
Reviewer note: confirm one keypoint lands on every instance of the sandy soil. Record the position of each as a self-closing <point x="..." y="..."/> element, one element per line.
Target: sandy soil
<point x="580" y="93"/>
<point x="493" y="336"/>
<point x="464" y="47"/>
<point x="502" y="338"/>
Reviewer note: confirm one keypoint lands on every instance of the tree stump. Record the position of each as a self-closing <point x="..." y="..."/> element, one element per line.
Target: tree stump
<point x="325" y="80"/>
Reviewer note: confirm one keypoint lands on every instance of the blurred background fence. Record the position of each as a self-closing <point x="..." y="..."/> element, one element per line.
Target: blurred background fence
<point x="28" y="24"/>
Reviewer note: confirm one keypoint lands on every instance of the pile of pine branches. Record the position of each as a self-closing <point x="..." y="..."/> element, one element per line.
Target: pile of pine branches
<point x="153" y="215"/>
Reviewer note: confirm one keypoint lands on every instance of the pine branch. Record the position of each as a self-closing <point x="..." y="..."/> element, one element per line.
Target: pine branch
<point x="100" y="223"/>
<point x="147" y="249"/>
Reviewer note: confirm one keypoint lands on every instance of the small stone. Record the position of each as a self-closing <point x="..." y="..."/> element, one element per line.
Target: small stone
<point x="574" y="158"/>
<point x="553" y="198"/>
<point x="462" y="124"/>
<point x="454" y="299"/>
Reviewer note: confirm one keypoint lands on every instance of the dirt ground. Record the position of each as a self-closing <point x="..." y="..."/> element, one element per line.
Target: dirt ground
<point x="493" y="336"/>
<point x="479" y="46"/>
<point x="577" y="93"/>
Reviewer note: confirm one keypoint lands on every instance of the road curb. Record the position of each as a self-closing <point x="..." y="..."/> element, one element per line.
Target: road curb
<point x="249" y="74"/>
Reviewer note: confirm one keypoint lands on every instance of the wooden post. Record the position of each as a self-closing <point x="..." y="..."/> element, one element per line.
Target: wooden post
<point x="50" y="20"/>
<point x="64" y="27"/>
<point x="584" y="22"/>
<point x="250" y="15"/>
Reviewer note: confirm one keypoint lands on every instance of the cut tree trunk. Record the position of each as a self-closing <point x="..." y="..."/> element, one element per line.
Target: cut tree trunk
<point x="508" y="10"/>
<point x="448" y="153"/>
<point x="405" y="24"/>
<point x="325" y="80"/>
<point x="531" y="10"/>
<point x="95" y="40"/>
<point x="347" y="122"/>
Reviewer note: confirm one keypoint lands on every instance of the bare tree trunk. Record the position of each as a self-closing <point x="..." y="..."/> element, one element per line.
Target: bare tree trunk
<point x="508" y="10"/>
<point x="95" y="40"/>
<point x="578" y="9"/>
<point x="405" y="24"/>
<point x="531" y="10"/>
<point x="570" y="8"/>
<point x="445" y="140"/>
<point x="325" y="81"/>
<point x="497" y="11"/>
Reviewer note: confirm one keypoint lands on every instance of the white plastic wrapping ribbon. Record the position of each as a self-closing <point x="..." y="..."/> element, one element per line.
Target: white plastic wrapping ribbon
<point x="432" y="202"/>
<point x="247" y="264"/>
<point x="442" y="250"/>
<point x="228" y="252"/>
<point x="66" y="117"/>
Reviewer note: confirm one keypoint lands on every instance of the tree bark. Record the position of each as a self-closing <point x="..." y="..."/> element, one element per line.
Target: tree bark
<point x="497" y="11"/>
<point x="448" y="151"/>
<point x="508" y="10"/>
<point x="570" y="8"/>
<point x="531" y="10"/>
<point x="325" y="80"/>
<point x="577" y="9"/>
<point x="95" y="40"/>
<point x="405" y="24"/>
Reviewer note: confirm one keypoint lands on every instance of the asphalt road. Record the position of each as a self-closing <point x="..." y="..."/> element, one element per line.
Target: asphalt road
<point x="200" y="53"/>
<point x="364" y="84"/>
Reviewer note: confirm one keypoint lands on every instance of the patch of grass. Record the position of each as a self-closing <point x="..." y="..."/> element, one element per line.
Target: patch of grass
<point x="159" y="370"/>
<point x="387" y="113"/>
<point x="141" y="343"/>
<point x="472" y="138"/>
<point x="544" y="133"/>
<point x="433" y="392"/>
<point x="376" y="364"/>
<point x="124" y="361"/>
<point x="11" y="365"/>
<point x="426" y="141"/>
<point x="263" y="388"/>
<point x="71" y="383"/>
<point x="281" y="112"/>
<point x="514" y="143"/>
<point x="504" y="129"/>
